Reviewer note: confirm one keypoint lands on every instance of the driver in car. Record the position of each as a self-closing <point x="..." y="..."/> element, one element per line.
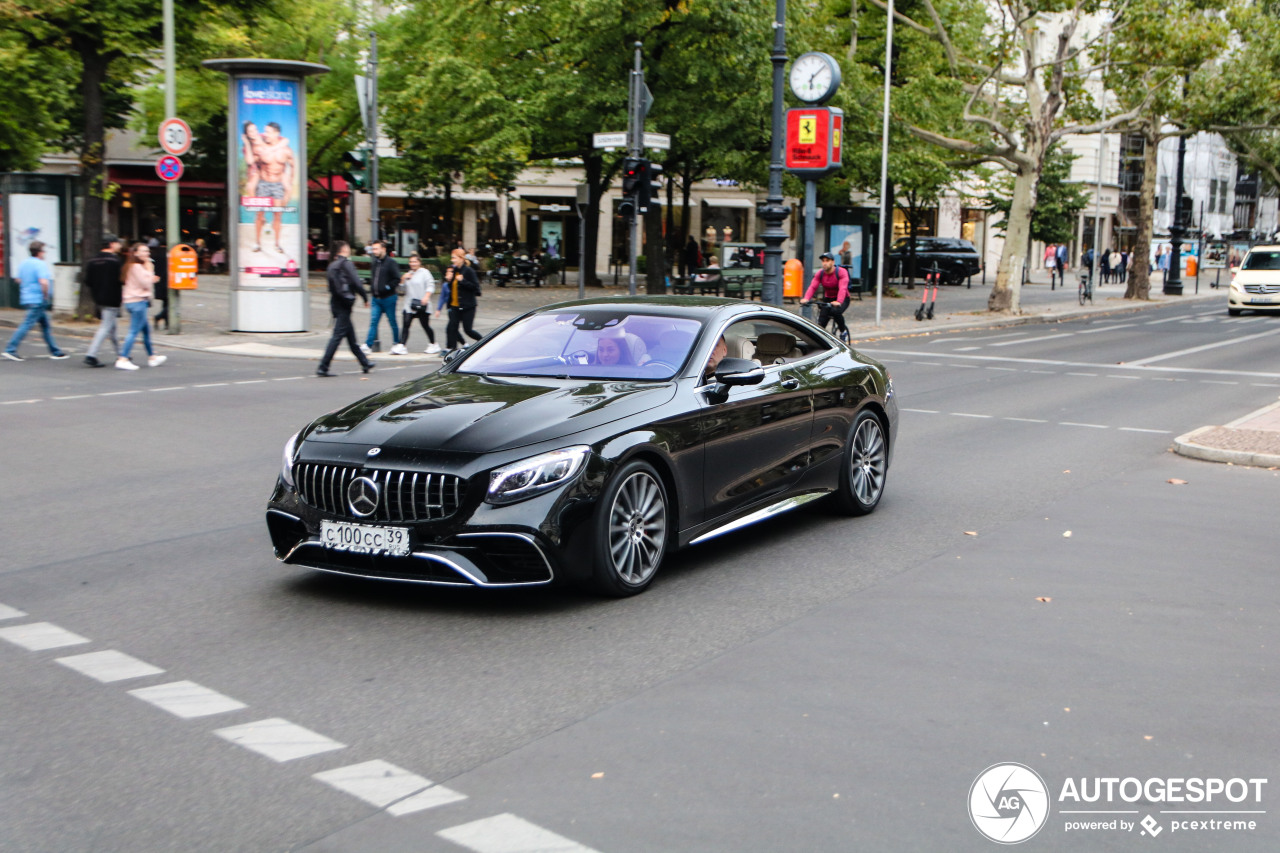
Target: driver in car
<point x="720" y="351"/>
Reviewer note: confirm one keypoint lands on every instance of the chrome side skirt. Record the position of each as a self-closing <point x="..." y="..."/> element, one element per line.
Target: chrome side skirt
<point x="785" y="505"/>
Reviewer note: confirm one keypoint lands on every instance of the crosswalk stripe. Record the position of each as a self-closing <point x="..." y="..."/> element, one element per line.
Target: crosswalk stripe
<point x="39" y="636"/>
<point x="279" y="740"/>
<point x="109" y="666"/>
<point x="187" y="700"/>
<point x="506" y="833"/>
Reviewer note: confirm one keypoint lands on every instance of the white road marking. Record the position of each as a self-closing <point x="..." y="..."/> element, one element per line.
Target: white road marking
<point x="170" y="388"/>
<point x="1044" y="372"/>
<point x="187" y="700"/>
<point x="1121" y="376"/>
<point x="381" y="784"/>
<point x="969" y="415"/>
<point x="120" y="393"/>
<point x="1217" y="382"/>
<point x="1034" y="340"/>
<point x="1264" y="385"/>
<point x="39" y="636"/>
<point x="1140" y="429"/>
<point x="287" y="378"/>
<point x="109" y="666"/>
<point x="7" y="612"/>
<point x="967" y="349"/>
<point x="20" y="402"/>
<point x="1090" y="426"/>
<point x="211" y="385"/>
<point x="279" y="740"/>
<point x="1082" y="374"/>
<point x="922" y="411"/>
<point x="1010" y="369"/>
<point x="1171" y="319"/>
<point x="1027" y="420"/>
<point x="436" y="795"/>
<point x="74" y="397"/>
<point x="250" y="381"/>
<point x="1048" y="362"/>
<point x="1106" y="329"/>
<point x="506" y="833"/>
<point x="1191" y="350"/>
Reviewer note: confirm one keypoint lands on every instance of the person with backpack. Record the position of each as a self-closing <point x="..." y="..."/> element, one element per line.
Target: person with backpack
<point x="344" y="286"/>
<point x="834" y="282"/>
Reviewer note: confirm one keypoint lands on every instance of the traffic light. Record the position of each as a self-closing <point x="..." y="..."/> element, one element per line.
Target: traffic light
<point x="650" y="186"/>
<point x="355" y="168"/>
<point x="633" y="174"/>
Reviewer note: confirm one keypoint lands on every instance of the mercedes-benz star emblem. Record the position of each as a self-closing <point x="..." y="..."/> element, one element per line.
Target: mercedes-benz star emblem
<point x="374" y="451"/>
<point x="362" y="496"/>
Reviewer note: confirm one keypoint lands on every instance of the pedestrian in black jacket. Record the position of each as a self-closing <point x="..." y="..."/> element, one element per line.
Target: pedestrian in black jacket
<point x="461" y="287"/>
<point x="102" y="277"/>
<point x="384" y="279"/>
<point x="344" y="285"/>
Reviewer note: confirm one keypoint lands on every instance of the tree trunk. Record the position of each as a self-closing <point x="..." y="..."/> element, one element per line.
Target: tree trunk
<point x="1006" y="293"/>
<point x="1139" y="277"/>
<point x="93" y="173"/>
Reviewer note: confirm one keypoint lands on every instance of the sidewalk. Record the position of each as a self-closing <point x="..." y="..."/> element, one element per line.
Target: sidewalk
<point x="1253" y="440"/>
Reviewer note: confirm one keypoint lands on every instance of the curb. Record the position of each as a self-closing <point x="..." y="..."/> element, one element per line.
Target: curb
<point x="1186" y="445"/>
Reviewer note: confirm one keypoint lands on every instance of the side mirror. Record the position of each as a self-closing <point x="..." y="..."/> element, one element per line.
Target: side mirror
<point x="739" y="371"/>
<point x="453" y="356"/>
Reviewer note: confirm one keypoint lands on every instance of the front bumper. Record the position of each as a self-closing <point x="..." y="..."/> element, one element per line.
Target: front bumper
<point x="482" y="558"/>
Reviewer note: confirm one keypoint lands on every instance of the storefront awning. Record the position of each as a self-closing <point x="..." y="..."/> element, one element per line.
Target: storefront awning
<point x="747" y="203"/>
<point x="143" y="183"/>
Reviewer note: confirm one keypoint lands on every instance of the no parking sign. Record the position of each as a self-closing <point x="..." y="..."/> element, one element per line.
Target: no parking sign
<point x="169" y="168"/>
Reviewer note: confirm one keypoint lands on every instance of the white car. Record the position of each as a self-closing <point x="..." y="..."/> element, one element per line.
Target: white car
<point x="1255" y="286"/>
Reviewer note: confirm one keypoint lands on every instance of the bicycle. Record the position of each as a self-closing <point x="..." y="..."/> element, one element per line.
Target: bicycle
<point x="1086" y="288"/>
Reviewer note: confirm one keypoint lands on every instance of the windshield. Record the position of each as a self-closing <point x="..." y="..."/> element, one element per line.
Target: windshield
<point x="589" y="344"/>
<point x="1262" y="261"/>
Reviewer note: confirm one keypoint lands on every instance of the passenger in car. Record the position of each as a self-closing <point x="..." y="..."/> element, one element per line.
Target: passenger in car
<point x="720" y="351"/>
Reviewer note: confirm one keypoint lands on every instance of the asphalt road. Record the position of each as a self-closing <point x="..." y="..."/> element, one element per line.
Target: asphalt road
<point x="814" y="683"/>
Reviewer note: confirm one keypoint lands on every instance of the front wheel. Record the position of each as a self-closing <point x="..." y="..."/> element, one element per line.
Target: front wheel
<point x="631" y="527"/>
<point x="866" y="465"/>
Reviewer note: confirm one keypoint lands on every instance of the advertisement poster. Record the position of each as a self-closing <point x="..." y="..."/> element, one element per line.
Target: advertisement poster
<point x="846" y="245"/>
<point x="269" y="235"/>
<point x="33" y="217"/>
<point x="552" y="235"/>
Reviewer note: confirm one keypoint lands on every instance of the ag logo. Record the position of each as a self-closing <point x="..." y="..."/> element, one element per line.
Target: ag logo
<point x="1008" y="803"/>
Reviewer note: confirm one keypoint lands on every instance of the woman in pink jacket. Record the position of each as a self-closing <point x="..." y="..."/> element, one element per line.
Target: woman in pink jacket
<point x="139" y="277"/>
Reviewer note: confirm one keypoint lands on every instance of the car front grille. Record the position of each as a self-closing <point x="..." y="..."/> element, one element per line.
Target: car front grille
<point x="403" y="496"/>
<point x="1262" y="288"/>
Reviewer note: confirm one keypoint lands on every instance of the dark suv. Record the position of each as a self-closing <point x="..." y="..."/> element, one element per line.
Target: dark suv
<point x="956" y="259"/>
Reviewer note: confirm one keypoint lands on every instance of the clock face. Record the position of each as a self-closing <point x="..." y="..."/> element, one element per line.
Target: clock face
<point x="814" y="77"/>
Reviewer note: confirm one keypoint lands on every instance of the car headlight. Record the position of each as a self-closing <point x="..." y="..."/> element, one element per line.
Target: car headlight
<point x="535" y="475"/>
<point x="1235" y="285"/>
<point x="286" y="467"/>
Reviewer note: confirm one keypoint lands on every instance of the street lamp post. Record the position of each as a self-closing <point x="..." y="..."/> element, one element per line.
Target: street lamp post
<point x="1173" y="282"/>
<point x="774" y="211"/>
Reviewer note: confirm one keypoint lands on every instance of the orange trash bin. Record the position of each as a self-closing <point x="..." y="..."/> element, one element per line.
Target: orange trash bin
<point x="1192" y="265"/>
<point x="793" y="279"/>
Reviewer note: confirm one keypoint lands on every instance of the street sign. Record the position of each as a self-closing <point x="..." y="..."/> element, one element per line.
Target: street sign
<point x="184" y="263"/>
<point x="175" y="136"/>
<point x="169" y="168"/>
<point x="657" y="140"/>
<point x="555" y="208"/>
<point x="814" y="139"/>
<point x="609" y="140"/>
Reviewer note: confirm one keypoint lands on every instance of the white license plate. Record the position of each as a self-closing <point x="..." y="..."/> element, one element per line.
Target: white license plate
<point x="1264" y="300"/>
<point x="364" y="538"/>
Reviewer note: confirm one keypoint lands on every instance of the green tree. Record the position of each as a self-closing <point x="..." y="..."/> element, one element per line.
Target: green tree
<point x="39" y="86"/>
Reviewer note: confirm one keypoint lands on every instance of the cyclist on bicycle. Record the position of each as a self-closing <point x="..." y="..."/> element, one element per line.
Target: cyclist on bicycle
<point x="834" y="281"/>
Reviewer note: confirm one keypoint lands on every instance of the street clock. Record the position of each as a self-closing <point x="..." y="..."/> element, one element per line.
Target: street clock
<point x="814" y="77"/>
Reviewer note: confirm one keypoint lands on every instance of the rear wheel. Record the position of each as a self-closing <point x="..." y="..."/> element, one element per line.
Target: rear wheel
<point x="866" y="465"/>
<point x="632" y="525"/>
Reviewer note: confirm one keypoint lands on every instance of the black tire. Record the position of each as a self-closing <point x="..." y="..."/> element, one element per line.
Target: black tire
<point x="865" y="466"/>
<point x="1234" y="312"/>
<point x="632" y="530"/>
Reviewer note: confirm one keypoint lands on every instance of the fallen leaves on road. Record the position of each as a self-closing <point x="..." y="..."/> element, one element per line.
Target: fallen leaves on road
<point x="1043" y="599"/>
<point x="1068" y="471"/>
<point x="971" y="533"/>
<point x="597" y="775"/>
<point x="1175" y="481"/>
<point x="1066" y="535"/>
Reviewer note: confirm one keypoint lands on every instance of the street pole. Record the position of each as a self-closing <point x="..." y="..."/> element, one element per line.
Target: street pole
<point x="375" y="230"/>
<point x="1173" y="282"/>
<point x="172" y="226"/>
<point x="635" y="148"/>
<point x="884" y="166"/>
<point x="773" y="211"/>
<point x="810" y="227"/>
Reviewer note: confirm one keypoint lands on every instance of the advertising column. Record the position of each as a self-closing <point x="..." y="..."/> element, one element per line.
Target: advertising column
<point x="267" y="154"/>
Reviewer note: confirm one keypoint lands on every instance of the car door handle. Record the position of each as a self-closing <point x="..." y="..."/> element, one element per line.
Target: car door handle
<point x="791" y="383"/>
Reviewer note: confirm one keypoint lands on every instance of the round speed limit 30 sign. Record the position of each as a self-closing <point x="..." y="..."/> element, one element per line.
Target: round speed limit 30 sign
<point x="169" y="168"/>
<point x="175" y="136"/>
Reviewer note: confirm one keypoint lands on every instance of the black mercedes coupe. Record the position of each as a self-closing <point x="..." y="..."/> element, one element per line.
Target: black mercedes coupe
<point x="584" y="441"/>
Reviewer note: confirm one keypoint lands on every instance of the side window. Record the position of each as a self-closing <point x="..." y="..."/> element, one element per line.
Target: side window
<point x="771" y="342"/>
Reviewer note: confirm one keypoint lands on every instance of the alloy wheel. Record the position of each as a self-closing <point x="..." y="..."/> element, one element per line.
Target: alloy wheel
<point x="637" y="528"/>
<point x="867" y="462"/>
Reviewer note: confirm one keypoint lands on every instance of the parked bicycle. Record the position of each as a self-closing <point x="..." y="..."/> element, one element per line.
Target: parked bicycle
<point x="1086" y="286"/>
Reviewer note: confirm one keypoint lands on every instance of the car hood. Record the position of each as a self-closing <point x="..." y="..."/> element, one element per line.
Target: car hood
<point x="470" y="413"/>
<point x="1244" y="276"/>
